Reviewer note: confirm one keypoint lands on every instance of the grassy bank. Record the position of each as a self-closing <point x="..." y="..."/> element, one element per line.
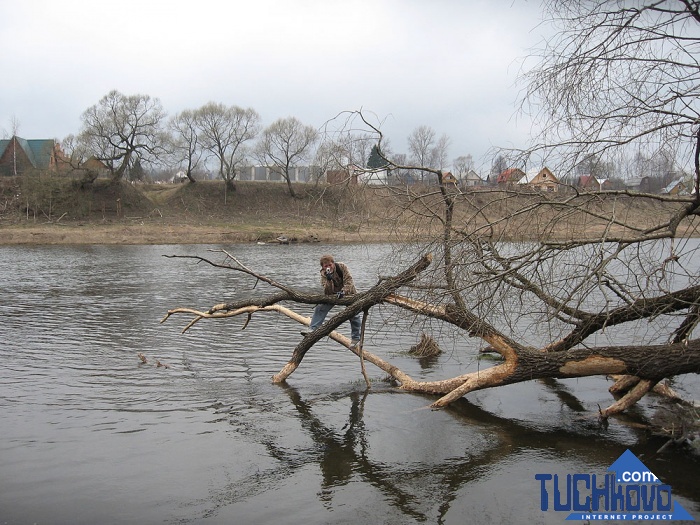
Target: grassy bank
<point x="45" y="210"/>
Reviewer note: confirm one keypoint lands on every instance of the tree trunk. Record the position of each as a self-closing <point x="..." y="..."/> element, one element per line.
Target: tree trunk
<point x="290" y="187"/>
<point x="651" y="363"/>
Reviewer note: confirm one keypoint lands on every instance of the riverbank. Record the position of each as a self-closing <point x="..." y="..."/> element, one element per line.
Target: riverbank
<point x="137" y="232"/>
<point x="63" y="212"/>
<point x="59" y="211"/>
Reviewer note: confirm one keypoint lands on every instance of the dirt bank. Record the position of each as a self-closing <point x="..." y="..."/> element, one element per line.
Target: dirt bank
<point x="60" y="211"/>
<point x="201" y="213"/>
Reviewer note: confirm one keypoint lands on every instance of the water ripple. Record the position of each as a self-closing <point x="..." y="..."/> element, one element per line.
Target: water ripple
<point x="88" y="425"/>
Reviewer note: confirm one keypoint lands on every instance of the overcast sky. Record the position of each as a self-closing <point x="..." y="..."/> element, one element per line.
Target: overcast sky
<point x="448" y="64"/>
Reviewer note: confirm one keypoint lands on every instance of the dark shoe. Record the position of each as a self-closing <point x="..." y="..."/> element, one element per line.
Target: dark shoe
<point x="304" y="333"/>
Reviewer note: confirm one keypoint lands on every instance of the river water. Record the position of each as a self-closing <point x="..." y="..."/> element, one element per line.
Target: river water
<point x="91" y="434"/>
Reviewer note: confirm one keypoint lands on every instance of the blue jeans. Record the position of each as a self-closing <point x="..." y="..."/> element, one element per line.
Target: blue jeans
<point x="320" y="313"/>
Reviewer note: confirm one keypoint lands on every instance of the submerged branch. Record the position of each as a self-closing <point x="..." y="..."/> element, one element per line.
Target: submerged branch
<point x="520" y="363"/>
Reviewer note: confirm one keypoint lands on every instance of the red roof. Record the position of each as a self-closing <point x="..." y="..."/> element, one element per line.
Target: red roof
<point x="505" y="175"/>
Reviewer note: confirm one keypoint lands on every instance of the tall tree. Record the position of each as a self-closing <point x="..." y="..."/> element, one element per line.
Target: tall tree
<point x="284" y="145"/>
<point x="421" y="142"/>
<point x="420" y="147"/>
<point x="14" y="125"/>
<point x="462" y="164"/>
<point x="186" y="146"/>
<point x="440" y="152"/>
<point x="426" y="149"/>
<point x="225" y="132"/>
<point x="500" y="164"/>
<point x="121" y="129"/>
<point x="376" y="161"/>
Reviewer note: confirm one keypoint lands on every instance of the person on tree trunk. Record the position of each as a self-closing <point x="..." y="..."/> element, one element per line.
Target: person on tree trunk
<point x="336" y="279"/>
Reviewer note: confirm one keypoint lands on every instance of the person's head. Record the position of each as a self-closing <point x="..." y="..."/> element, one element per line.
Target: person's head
<point x="327" y="261"/>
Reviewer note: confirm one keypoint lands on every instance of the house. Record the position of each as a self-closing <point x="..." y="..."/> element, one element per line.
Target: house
<point x="471" y="178"/>
<point x="510" y="176"/>
<point x="448" y="178"/>
<point x="591" y="183"/>
<point x="637" y="184"/>
<point x="18" y="155"/>
<point x="96" y="165"/>
<point x="676" y="187"/>
<point x="340" y="177"/>
<point x="543" y="180"/>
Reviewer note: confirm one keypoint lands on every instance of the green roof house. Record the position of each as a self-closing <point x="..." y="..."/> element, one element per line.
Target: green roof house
<point x="18" y="155"/>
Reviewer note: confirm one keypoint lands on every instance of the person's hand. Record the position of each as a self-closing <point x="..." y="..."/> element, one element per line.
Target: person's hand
<point x="340" y="294"/>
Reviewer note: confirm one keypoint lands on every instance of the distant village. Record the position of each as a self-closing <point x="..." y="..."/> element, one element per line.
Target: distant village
<point x="19" y="156"/>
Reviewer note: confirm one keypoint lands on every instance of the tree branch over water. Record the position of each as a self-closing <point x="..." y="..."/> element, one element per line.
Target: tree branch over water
<point x="520" y="361"/>
<point x="565" y="283"/>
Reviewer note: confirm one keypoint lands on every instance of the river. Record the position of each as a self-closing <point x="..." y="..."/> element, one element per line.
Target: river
<point x="91" y="434"/>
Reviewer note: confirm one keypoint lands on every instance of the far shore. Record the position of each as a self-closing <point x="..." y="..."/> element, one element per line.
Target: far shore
<point x="142" y="233"/>
<point x="57" y="211"/>
<point x="125" y="232"/>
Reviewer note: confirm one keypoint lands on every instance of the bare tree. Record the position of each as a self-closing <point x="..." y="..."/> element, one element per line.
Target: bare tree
<point x="440" y="152"/>
<point x="556" y="286"/>
<point x="399" y="173"/>
<point x="120" y="129"/>
<point x="284" y="145"/>
<point x="14" y="125"/>
<point x="421" y="147"/>
<point x="421" y="142"/>
<point x="362" y="147"/>
<point x="534" y="304"/>
<point x="328" y="156"/>
<point x="77" y="156"/>
<point x="499" y="165"/>
<point x="593" y="165"/>
<point x="462" y="165"/>
<point x="426" y="149"/>
<point x="186" y="145"/>
<point x="224" y="132"/>
<point x="618" y="75"/>
<point x="344" y="152"/>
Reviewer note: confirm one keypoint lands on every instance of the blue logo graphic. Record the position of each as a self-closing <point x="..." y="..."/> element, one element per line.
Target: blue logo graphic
<point x="628" y="492"/>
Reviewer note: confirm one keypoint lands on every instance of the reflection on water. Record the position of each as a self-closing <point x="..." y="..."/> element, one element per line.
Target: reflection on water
<point x="93" y="435"/>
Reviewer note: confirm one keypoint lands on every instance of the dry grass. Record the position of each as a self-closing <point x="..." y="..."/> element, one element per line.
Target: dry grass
<point x="49" y="210"/>
<point x="426" y="347"/>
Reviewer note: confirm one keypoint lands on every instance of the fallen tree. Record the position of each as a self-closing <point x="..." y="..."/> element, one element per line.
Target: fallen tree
<point x="648" y="364"/>
<point x="574" y="281"/>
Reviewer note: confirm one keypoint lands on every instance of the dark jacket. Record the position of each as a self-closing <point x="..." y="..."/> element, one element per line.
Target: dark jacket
<point x="341" y="280"/>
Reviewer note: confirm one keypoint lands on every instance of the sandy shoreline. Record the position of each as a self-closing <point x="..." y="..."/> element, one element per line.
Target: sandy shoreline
<point x="129" y="233"/>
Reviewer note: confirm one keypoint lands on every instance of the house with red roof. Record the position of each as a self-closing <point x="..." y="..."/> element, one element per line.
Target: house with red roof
<point x="510" y="176"/>
<point x="591" y="183"/>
